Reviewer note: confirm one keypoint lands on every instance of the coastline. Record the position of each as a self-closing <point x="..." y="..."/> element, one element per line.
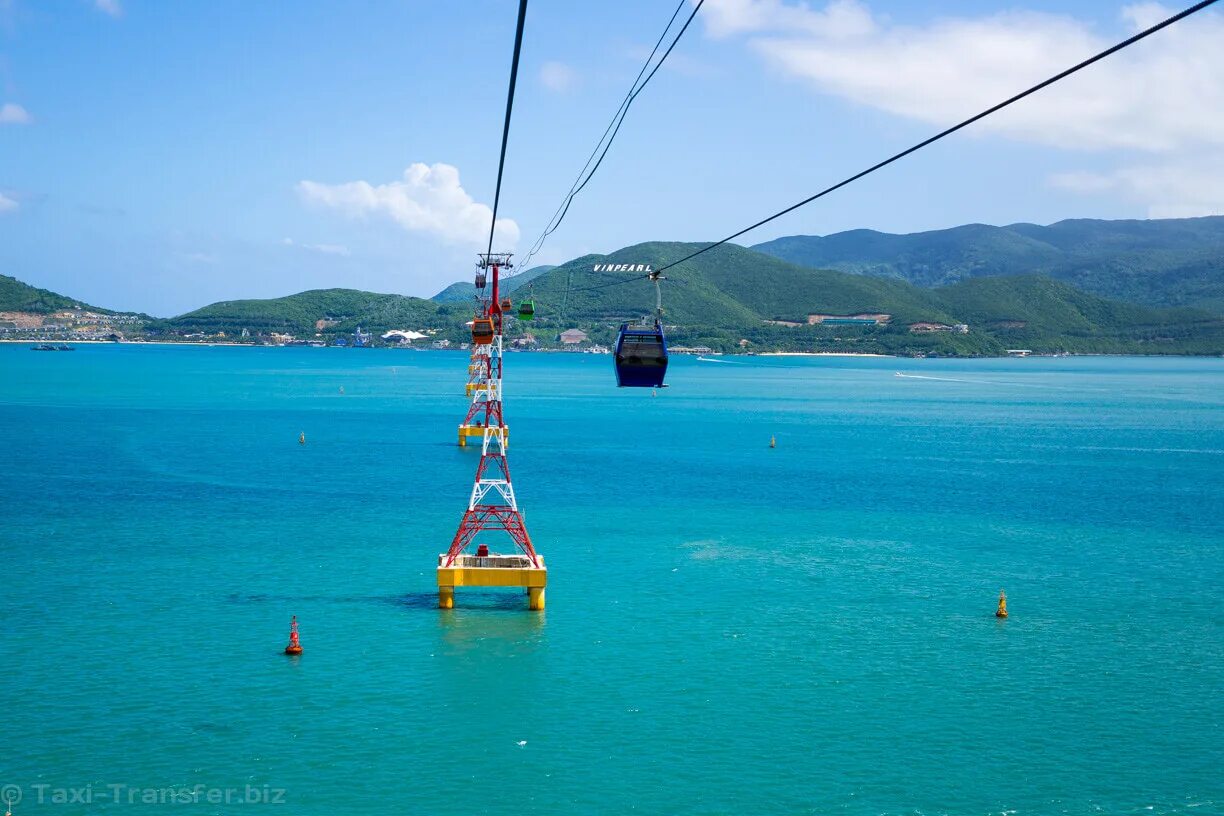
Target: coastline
<point x="818" y="354"/>
<point x="228" y="344"/>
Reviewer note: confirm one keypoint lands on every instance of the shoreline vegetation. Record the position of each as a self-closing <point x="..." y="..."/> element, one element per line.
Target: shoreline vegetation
<point x="1147" y="288"/>
<point x="232" y="344"/>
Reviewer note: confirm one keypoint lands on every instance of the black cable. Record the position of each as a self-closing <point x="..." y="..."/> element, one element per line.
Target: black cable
<point x="613" y="283"/>
<point x="1107" y="52"/>
<point x="614" y="126"/>
<point x="535" y="247"/>
<point x="501" y="162"/>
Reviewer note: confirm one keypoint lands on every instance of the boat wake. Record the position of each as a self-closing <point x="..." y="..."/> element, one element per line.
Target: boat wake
<point x="946" y="379"/>
<point x="1009" y="383"/>
<point x="712" y="360"/>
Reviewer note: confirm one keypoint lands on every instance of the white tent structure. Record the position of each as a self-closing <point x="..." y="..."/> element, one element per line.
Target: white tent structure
<point x="402" y="336"/>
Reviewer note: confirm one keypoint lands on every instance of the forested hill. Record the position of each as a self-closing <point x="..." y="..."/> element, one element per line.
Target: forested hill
<point x="733" y="298"/>
<point x="729" y="293"/>
<point x="16" y="296"/>
<point x="318" y="310"/>
<point x="1170" y="262"/>
<point x="464" y="291"/>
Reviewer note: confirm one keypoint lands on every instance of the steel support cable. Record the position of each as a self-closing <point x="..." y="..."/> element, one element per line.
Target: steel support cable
<point x="614" y="126"/>
<point x="501" y="162"/>
<point x="1197" y="7"/>
<point x="553" y="222"/>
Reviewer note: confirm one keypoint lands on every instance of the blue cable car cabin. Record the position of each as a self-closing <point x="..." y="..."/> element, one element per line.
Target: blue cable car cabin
<point x="641" y="356"/>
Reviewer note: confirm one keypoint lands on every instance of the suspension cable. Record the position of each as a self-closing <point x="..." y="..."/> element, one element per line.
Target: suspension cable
<point x="573" y="188"/>
<point x="501" y="162"/>
<point x="618" y="118"/>
<point x="1197" y="7"/>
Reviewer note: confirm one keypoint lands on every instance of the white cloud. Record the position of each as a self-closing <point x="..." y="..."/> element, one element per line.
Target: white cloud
<point x="328" y="249"/>
<point x="429" y="199"/>
<point x="198" y="257"/>
<point x="841" y="18"/>
<point x="558" y="77"/>
<point x="1158" y="96"/>
<point x="7" y="205"/>
<point x="322" y="249"/>
<point x="13" y="114"/>
<point x="1176" y="188"/>
<point x="111" y="7"/>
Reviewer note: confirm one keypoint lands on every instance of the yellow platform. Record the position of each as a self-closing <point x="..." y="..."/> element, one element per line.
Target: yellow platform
<point x="493" y="570"/>
<point x="472" y="388"/>
<point x="477" y="431"/>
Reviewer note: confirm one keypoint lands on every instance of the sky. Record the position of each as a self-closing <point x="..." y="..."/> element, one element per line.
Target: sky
<point x="159" y="156"/>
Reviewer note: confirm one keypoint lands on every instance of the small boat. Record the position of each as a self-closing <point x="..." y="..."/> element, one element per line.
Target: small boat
<point x="43" y="347"/>
<point x="65" y="347"/>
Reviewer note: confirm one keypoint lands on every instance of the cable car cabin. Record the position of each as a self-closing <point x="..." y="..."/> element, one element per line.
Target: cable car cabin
<point x="526" y="310"/>
<point x="482" y="331"/>
<point x="481" y="279"/>
<point x="641" y="356"/>
<point x="506" y="304"/>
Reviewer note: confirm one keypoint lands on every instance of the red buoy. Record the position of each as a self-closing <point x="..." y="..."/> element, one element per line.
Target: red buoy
<point x="294" y="647"/>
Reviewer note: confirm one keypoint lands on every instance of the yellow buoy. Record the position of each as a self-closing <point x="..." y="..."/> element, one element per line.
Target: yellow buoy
<point x="1001" y="612"/>
<point x="773" y="442"/>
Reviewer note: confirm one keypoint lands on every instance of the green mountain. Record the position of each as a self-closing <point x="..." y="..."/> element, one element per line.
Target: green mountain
<point x="1038" y="312"/>
<point x="342" y="310"/>
<point x="16" y="296"/>
<point x="729" y="286"/>
<point x="464" y="291"/>
<point x="732" y="297"/>
<point x="1172" y="262"/>
<point x="728" y="294"/>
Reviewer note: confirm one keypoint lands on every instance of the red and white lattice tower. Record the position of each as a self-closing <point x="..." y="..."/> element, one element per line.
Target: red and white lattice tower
<point x="484" y="378"/>
<point x="491" y="505"/>
<point x="477" y="367"/>
<point x="478" y="370"/>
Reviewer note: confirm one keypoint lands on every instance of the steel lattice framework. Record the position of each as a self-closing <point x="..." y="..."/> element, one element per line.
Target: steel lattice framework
<point x="491" y="505"/>
<point x="478" y="366"/>
<point x="484" y="383"/>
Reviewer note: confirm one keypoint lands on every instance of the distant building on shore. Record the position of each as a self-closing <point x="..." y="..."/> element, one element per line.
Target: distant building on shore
<point x="928" y="328"/>
<point x="572" y="337"/>
<point x="404" y="336"/>
<point x="862" y="319"/>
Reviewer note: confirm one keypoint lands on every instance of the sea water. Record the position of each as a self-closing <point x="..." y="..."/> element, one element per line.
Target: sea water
<point x="730" y="628"/>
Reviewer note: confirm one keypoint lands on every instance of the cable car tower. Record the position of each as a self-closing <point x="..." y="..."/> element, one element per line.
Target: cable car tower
<point x="478" y="365"/>
<point x="491" y="505"/>
<point x="484" y="369"/>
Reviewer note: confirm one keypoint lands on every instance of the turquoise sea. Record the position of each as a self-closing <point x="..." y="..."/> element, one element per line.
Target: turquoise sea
<point x="730" y="629"/>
